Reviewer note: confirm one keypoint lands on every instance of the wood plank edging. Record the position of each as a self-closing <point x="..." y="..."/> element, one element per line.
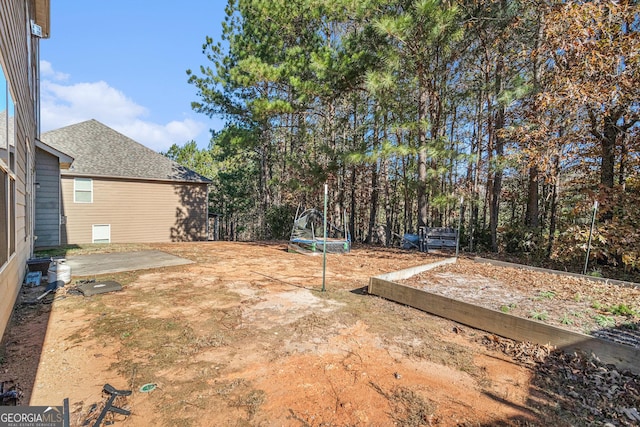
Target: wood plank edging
<point x="558" y="272"/>
<point x="412" y="271"/>
<point x="503" y="324"/>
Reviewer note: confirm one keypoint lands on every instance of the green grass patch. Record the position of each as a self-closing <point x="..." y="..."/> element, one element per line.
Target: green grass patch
<point x="539" y="315"/>
<point x="622" y="310"/>
<point x="595" y="273"/>
<point x="566" y="320"/>
<point x="604" y="321"/>
<point x="596" y="305"/>
<point x="508" y="308"/>
<point x="546" y="295"/>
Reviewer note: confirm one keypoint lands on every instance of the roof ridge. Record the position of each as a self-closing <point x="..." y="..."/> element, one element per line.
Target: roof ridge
<point x="103" y="151"/>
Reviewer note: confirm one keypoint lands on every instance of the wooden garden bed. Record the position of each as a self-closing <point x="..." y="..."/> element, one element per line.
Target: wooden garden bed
<point x="548" y="308"/>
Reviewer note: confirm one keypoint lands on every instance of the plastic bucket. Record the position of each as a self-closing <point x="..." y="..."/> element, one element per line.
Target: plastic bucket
<point x="59" y="272"/>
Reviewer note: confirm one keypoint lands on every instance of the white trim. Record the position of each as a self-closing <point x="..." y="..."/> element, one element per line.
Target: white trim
<point x="75" y="181"/>
<point x="93" y="233"/>
<point x="5" y="183"/>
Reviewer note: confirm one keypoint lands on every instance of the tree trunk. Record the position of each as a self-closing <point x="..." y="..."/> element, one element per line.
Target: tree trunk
<point x="494" y="207"/>
<point x="554" y="205"/>
<point x="499" y="122"/>
<point x="624" y="154"/>
<point x="375" y="192"/>
<point x="373" y="206"/>
<point x="408" y="202"/>
<point x="531" y="218"/>
<point x="477" y="140"/>
<point x="265" y="177"/>
<point x="352" y="219"/>
<point x="608" y="147"/>
<point x="607" y="139"/>
<point x="338" y="206"/>
<point x="423" y="206"/>
<point x="384" y="177"/>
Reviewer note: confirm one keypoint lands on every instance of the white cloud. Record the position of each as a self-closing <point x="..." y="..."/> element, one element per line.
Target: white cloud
<point x="66" y="104"/>
<point x="46" y="70"/>
<point x="162" y="136"/>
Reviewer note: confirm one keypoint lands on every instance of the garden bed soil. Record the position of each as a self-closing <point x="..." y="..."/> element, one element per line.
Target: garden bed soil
<point x="245" y="336"/>
<point x="580" y="304"/>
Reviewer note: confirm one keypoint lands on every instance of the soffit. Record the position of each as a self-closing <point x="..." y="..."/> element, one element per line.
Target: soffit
<point x="43" y="16"/>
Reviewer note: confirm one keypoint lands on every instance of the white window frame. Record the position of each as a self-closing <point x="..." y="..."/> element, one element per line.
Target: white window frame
<point x="9" y="178"/>
<point x="5" y="179"/>
<point x="93" y="232"/>
<point x="75" y="189"/>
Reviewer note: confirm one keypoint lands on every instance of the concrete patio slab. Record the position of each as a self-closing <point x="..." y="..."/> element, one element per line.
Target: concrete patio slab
<point x="95" y="264"/>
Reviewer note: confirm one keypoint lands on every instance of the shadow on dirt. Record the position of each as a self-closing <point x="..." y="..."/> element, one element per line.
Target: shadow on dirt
<point x="23" y="341"/>
<point x="361" y="291"/>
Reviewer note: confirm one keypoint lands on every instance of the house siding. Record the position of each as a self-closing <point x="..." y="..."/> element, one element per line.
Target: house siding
<point x="47" y="212"/>
<point x="137" y="211"/>
<point x="19" y="69"/>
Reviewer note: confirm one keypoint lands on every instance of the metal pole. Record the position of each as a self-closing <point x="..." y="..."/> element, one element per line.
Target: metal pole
<point x="324" y="247"/>
<point x="66" y="418"/>
<point x="459" y="225"/>
<point x="593" y="221"/>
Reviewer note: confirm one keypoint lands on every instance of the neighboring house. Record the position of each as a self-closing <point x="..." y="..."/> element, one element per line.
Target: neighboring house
<point x="22" y="24"/>
<point x="119" y="191"/>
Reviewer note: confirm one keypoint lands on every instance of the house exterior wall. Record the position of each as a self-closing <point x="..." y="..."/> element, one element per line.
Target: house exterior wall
<point x="137" y="211"/>
<point x="18" y="54"/>
<point x="47" y="203"/>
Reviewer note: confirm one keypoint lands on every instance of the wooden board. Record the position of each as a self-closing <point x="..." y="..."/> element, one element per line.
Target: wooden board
<point x="561" y="273"/>
<point x="506" y="325"/>
<point x="412" y="271"/>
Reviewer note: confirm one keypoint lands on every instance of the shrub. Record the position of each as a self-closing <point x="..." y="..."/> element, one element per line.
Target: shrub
<point x="279" y="222"/>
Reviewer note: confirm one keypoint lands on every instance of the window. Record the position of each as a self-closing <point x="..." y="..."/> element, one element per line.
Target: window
<point x="101" y="233"/>
<point x="7" y="172"/>
<point x="12" y="216"/>
<point x="83" y="190"/>
<point x="11" y="133"/>
<point x="4" y="218"/>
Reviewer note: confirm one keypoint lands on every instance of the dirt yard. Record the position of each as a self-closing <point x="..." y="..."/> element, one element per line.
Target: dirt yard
<point x="245" y="337"/>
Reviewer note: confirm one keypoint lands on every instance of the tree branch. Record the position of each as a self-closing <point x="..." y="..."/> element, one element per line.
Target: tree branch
<point x="594" y="126"/>
<point x="635" y="118"/>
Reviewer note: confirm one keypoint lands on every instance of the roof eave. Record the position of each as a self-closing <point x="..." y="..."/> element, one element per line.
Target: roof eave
<point x="64" y="159"/>
<point x="136" y="178"/>
<point x="43" y="16"/>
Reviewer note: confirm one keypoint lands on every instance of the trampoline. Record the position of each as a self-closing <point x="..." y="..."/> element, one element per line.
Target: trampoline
<point x="307" y="235"/>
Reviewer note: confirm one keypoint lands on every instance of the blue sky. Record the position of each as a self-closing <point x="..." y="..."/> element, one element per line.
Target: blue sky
<point x="124" y="64"/>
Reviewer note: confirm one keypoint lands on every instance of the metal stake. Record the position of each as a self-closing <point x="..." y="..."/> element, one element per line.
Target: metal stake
<point x="324" y="247"/>
<point x="459" y="225"/>
<point x="593" y="221"/>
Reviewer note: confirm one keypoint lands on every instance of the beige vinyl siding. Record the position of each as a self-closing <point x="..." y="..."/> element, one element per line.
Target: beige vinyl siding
<point x="14" y="51"/>
<point x="137" y="211"/>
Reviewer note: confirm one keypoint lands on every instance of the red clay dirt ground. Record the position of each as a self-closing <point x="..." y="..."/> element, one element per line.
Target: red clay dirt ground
<point x="245" y="337"/>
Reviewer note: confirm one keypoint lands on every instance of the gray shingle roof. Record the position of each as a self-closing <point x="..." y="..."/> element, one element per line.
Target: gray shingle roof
<point x="99" y="150"/>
